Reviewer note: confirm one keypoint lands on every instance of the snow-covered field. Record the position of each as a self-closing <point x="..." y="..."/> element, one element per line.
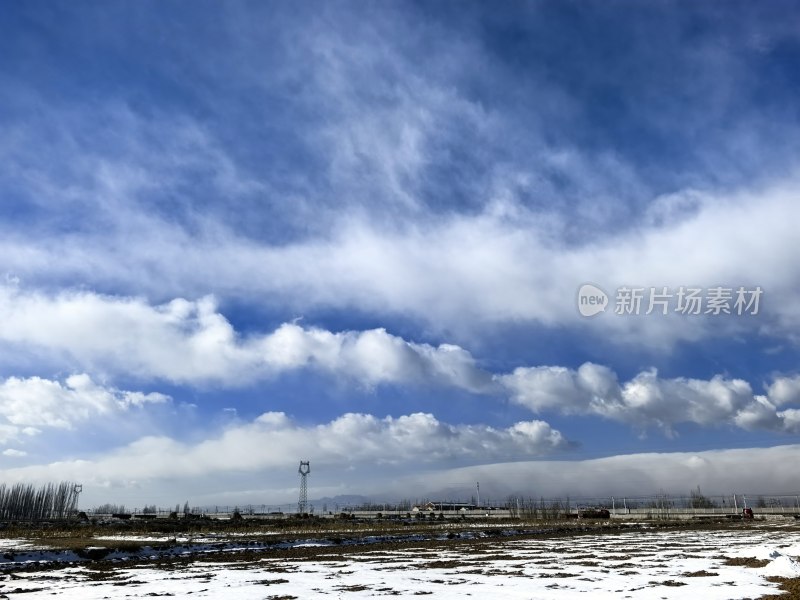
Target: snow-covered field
<point x="632" y="564"/>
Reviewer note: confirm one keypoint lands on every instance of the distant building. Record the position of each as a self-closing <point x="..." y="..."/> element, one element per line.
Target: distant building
<point x="444" y="506"/>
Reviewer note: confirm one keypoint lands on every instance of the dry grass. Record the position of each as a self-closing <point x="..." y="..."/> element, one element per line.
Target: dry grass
<point x="790" y="588"/>
<point x="747" y="561"/>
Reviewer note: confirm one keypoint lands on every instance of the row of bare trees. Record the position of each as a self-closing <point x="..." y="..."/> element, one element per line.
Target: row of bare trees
<point x="530" y="508"/>
<point x="26" y="502"/>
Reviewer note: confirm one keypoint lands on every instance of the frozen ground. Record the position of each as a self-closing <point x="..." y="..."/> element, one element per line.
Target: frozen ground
<point x="704" y="564"/>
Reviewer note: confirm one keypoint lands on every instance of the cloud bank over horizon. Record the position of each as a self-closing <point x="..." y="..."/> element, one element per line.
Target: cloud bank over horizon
<point x="404" y="459"/>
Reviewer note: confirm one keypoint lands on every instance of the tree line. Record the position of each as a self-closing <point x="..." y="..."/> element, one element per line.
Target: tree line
<point x="27" y="502"/>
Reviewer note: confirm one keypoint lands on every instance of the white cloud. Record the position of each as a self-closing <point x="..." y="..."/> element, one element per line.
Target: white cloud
<point x="649" y="401"/>
<point x="743" y="471"/>
<point x="274" y="441"/>
<point x="784" y="390"/>
<point x="512" y="246"/>
<point x="29" y="405"/>
<point x="372" y="356"/>
<point x="563" y="390"/>
<point x="13" y="453"/>
<point x="463" y="272"/>
<point x="176" y="340"/>
<point x="191" y="342"/>
<point x="256" y="465"/>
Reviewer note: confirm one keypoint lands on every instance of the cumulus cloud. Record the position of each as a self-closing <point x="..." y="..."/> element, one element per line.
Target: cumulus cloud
<point x="27" y="406"/>
<point x="191" y="342"/>
<point x="273" y="440"/>
<point x="372" y="356"/>
<point x="650" y="401"/>
<point x="784" y="390"/>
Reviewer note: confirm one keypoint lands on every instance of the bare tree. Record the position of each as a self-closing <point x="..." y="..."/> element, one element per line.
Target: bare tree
<point x="25" y="502"/>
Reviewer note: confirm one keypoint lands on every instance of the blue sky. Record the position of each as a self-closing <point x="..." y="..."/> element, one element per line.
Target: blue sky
<point x="234" y="236"/>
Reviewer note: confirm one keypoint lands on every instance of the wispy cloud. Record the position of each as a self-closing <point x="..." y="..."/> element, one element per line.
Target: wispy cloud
<point x="463" y="273"/>
<point x="413" y="191"/>
<point x="13" y="453"/>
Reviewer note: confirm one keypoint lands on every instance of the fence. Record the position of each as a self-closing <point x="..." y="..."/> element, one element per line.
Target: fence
<point x="657" y="506"/>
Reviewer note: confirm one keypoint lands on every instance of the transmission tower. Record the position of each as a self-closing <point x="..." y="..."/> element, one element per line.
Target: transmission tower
<point x="304" y="470"/>
<point x="76" y="494"/>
